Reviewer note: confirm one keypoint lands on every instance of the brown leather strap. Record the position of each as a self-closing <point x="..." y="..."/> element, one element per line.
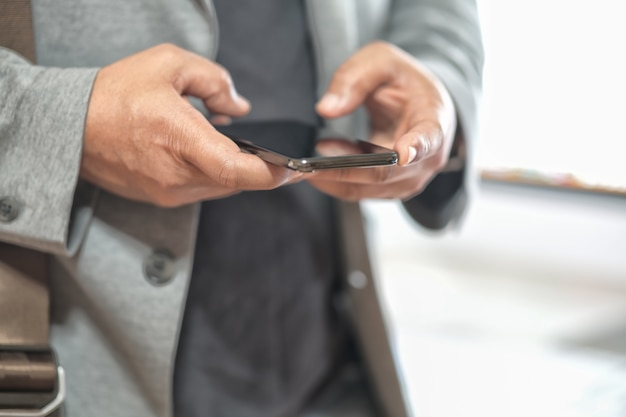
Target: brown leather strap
<point x="24" y="298"/>
<point x="28" y="369"/>
<point x="16" y="27"/>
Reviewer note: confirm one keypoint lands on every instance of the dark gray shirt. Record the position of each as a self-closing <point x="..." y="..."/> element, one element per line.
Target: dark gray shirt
<point x="260" y="335"/>
<point x="265" y="45"/>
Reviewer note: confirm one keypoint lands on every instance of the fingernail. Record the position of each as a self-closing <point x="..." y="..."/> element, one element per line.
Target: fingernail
<point x="412" y="154"/>
<point x="329" y="102"/>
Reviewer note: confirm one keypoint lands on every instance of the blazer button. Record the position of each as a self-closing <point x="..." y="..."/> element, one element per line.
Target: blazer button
<point x="159" y="267"/>
<point x="9" y="209"/>
<point x="357" y="279"/>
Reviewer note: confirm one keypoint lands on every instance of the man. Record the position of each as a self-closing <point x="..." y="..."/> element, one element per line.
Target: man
<point x="161" y="303"/>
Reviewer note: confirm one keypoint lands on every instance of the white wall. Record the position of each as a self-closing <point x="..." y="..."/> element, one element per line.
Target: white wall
<point x="554" y="87"/>
<point x="523" y="312"/>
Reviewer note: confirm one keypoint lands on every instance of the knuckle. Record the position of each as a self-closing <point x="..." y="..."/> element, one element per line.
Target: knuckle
<point x="407" y="196"/>
<point x="274" y="183"/>
<point x="228" y="174"/>
<point x="411" y="187"/>
<point x="221" y="83"/>
<point x="410" y="192"/>
<point x="278" y="177"/>
<point x="166" y="200"/>
<point x="169" y="184"/>
<point x="357" y="83"/>
<point x="386" y="48"/>
<point x="437" y="135"/>
<point x="342" y="175"/>
<point x="224" y="75"/>
<point x="223" y="79"/>
<point x="381" y="45"/>
<point x="419" y="186"/>
<point x="440" y="161"/>
<point x="351" y="192"/>
<point x="382" y="175"/>
<point x="168" y="51"/>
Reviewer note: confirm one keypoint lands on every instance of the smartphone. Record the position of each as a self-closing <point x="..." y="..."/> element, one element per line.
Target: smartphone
<point x="324" y="153"/>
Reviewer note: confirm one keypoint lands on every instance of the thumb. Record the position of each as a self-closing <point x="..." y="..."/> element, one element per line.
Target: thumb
<point x="353" y="82"/>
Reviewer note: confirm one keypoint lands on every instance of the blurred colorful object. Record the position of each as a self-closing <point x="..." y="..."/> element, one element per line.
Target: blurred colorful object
<point x="557" y="180"/>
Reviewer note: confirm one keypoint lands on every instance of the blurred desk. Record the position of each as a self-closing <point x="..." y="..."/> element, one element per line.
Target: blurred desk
<point x="521" y="313"/>
<point x="552" y="180"/>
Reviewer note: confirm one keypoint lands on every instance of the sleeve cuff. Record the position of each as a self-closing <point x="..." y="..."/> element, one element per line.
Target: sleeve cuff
<point x="42" y="124"/>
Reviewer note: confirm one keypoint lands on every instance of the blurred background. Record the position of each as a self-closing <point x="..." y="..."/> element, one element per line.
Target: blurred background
<point x="522" y="312"/>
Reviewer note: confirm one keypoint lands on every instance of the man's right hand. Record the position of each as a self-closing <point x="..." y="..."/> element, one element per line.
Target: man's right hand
<point x="145" y="141"/>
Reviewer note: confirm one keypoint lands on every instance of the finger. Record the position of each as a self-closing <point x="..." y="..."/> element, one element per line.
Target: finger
<point x="199" y="77"/>
<point x="221" y="160"/>
<point x="202" y="193"/>
<point x="374" y="175"/>
<point x="220" y="120"/>
<point x="189" y="195"/>
<point x="431" y="125"/>
<point x="356" y="192"/>
<point x="354" y="81"/>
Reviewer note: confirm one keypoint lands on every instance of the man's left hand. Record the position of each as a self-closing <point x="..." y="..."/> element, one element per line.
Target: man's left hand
<point x="410" y="111"/>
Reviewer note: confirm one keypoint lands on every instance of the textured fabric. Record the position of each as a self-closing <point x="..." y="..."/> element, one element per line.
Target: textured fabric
<point x="114" y="332"/>
<point x="257" y="335"/>
<point x="347" y="395"/>
<point x="260" y="334"/>
<point x="38" y="170"/>
<point x="274" y="71"/>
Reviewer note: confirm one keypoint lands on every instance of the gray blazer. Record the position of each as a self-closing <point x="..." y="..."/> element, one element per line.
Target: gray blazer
<point x="115" y="332"/>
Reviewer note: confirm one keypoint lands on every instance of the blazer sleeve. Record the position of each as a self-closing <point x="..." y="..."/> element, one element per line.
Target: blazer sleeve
<point x="42" y="117"/>
<point x="445" y="36"/>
